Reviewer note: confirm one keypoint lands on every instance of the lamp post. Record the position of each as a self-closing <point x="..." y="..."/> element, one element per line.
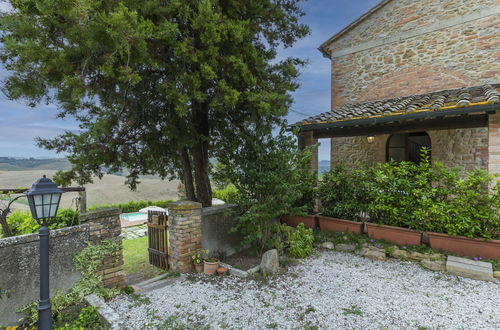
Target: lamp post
<point x="43" y="199"/>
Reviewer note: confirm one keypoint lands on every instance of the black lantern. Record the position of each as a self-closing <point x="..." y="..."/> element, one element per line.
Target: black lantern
<point x="44" y="198"/>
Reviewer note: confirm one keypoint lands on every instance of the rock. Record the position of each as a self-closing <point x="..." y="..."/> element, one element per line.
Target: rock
<point x="270" y="262"/>
<point x="435" y="265"/>
<point x="110" y="319"/>
<point x="496" y="273"/>
<point x="373" y="253"/>
<point x="436" y="257"/>
<point x="477" y="270"/>
<point x="345" y="247"/>
<point x="328" y="245"/>
<point x="399" y="254"/>
<point x="417" y="256"/>
<point x="253" y="270"/>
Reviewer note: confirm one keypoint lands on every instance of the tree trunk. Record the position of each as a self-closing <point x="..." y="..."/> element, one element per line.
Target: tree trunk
<point x="187" y="174"/>
<point x="5" y="226"/>
<point x="203" y="187"/>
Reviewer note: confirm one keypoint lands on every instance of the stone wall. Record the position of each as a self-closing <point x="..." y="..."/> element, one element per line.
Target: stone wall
<point x="466" y="148"/>
<point x="105" y="225"/>
<point x="494" y="144"/>
<point x="19" y="260"/>
<point x="216" y="222"/>
<point x="19" y="264"/>
<point x="411" y="47"/>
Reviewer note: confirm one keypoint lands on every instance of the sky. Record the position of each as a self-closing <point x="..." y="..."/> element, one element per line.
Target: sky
<point x="20" y="124"/>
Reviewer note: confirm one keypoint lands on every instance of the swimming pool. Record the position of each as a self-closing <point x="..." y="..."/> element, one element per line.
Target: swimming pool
<point x="134" y="216"/>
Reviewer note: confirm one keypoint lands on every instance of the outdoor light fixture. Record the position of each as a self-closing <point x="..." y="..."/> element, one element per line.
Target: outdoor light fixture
<point x="370" y="139"/>
<point x="43" y="199"/>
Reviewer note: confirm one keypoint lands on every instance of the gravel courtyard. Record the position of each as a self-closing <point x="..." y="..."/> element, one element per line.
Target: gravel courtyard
<point x="329" y="290"/>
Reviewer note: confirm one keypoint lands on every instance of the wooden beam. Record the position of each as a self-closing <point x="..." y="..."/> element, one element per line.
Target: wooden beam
<point x="22" y="190"/>
<point x="465" y="121"/>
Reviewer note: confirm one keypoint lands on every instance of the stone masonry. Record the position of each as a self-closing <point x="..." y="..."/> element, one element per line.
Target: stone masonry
<point x="412" y="47"/>
<point x="104" y="225"/>
<point x="409" y="47"/>
<point x="466" y="148"/>
<point x="185" y="234"/>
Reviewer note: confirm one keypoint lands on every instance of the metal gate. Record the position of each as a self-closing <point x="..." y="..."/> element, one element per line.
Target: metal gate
<point x="158" y="239"/>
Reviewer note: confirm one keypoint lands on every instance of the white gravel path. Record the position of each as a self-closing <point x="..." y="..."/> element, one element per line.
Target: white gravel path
<point x="327" y="291"/>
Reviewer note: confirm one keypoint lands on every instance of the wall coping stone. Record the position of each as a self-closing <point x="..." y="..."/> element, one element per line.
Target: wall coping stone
<point x="27" y="238"/>
<point x="217" y="209"/>
<point x="184" y="205"/>
<point x="100" y="213"/>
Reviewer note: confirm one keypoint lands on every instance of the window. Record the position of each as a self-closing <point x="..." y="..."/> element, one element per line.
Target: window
<point x="407" y="146"/>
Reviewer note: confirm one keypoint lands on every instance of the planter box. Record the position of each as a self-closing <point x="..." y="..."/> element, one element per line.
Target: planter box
<point x="396" y="235"/>
<point x="463" y="246"/>
<point x="340" y="225"/>
<point x="309" y="221"/>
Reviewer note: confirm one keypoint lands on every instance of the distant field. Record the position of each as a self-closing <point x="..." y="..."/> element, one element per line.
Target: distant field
<point x="110" y="189"/>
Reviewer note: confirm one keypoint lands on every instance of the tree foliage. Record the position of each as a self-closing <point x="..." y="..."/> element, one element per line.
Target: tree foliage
<point x="155" y="86"/>
<point x="272" y="178"/>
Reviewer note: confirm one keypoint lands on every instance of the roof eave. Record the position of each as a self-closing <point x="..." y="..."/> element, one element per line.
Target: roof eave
<point x="493" y="107"/>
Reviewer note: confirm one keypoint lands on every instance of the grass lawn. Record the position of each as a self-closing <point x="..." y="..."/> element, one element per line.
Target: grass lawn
<point x="135" y="255"/>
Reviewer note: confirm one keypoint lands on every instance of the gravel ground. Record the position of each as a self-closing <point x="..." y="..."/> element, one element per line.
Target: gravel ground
<point x="329" y="290"/>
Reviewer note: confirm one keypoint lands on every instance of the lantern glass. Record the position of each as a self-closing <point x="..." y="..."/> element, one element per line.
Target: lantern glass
<point x="44" y="198"/>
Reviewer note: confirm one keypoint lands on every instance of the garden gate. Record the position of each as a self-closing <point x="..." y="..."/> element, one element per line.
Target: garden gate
<point x="158" y="239"/>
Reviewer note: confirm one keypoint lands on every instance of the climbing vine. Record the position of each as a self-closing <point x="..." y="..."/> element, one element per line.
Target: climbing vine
<point x="86" y="262"/>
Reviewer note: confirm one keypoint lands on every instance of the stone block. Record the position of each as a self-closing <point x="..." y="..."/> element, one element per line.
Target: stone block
<point x="496" y="273"/>
<point x="435" y="265"/>
<point x="477" y="270"/>
<point x="373" y="253"/>
<point x="345" y="247"/>
<point x="328" y="245"/>
<point x="270" y="262"/>
<point x="400" y="254"/>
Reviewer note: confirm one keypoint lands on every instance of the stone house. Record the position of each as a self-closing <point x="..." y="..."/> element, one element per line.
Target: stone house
<point x="411" y="74"/>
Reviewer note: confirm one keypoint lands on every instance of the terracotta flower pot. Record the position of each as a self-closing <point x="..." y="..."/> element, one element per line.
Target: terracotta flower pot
<point x="339" y="225"/>
<point x="396" y="235"/>
<point x="210" y="268"/>
<point x="469" y="247"/>
<point x="222" y="271"/>
<point x="199" y="267"/>
<point x="309" y="221"/>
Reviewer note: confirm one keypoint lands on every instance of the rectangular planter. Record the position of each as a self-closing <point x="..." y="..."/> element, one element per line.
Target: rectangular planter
<point x="396" y="235"/>
<point x="309" y="221"/>
<point x="339" y="225"/>
<point x="463" y="246"/>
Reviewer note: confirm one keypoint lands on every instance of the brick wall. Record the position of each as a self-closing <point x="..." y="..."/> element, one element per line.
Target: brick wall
<point x="104" y="225"/>
<point x="370" y="62"/>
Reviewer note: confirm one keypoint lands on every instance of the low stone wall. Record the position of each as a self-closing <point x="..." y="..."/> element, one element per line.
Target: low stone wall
<point x="105" y="225"/>
<point x="215" y="225"/>
<point x="19" y="261"/>
<point x="19" y="264"/>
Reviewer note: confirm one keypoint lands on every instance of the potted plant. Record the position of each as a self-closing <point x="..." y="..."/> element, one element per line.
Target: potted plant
<point x="210" y="266"/>
<point x="197" y="258"/>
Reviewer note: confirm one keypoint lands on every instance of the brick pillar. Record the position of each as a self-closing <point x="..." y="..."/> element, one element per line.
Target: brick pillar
<point x="494" y="143"/>
<point x="105" y="225"/>
<point x="306" y="139"/>
<point x="184" y="226"/>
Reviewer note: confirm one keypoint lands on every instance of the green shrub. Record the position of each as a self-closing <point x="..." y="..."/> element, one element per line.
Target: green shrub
<point x="343" y="192"/>
<point x="132" y="206"/>
<point x="301" y="241"/>
<point x="298" y="241"/>
<point x="424" y="196"/>
<point x="21" y="222"/>
<point x="86" y="319"/>
<point x="268" y="171"/>
<point x="229" y="194"/>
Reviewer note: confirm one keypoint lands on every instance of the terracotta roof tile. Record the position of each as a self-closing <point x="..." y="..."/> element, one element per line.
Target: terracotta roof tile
<point x="442" y="100"/>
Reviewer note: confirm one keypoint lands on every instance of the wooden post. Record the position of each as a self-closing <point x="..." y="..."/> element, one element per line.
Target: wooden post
<point x="306" y="139"/>
<point x="82" y="196"/>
